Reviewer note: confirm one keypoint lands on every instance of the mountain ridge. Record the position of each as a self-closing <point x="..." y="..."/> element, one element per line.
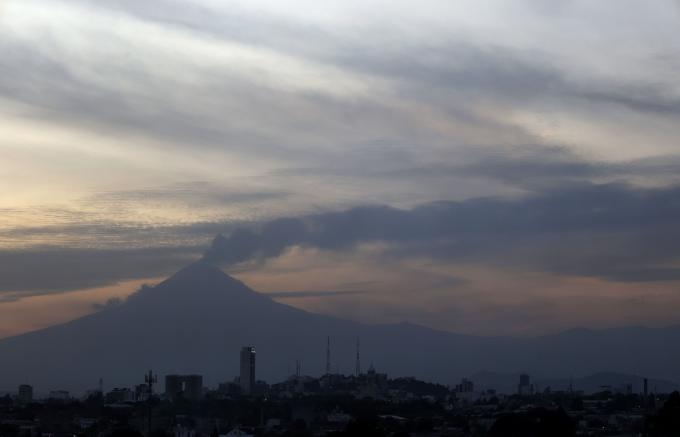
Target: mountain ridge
<point x="196" y="321"/>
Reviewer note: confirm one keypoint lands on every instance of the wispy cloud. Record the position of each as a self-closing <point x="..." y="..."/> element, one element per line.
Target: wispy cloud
<point x="313" y="293"/>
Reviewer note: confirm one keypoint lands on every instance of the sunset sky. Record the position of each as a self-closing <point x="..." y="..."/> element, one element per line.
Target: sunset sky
<point x="484" y="167"/>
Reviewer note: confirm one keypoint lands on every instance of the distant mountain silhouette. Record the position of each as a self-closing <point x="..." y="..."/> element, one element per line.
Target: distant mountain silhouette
<point x="197" y="320"/>
<point x="596" y="382"/>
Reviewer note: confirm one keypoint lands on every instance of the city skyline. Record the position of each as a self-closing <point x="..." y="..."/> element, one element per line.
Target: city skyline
<point x="372" y="403"/>
<point x="190" y="387"/>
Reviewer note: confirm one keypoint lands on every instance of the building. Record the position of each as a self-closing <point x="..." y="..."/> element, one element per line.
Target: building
<point x="25" y="395"/>
<point x="189" y="387"/>
<point x="59" y="395"/>
<point x="142" y="392"/>
<point x="120" y="396"/>
<point x="525" y="387"/>
<point x="247" y="377"/>
<point x="465" y="386"/>
<point x="227" y="389"/>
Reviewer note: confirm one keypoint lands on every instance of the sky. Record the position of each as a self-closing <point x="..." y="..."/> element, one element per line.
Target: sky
<point x="478" y="166"/>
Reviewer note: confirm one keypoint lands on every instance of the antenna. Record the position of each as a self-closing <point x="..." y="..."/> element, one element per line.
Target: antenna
<point x="150" y="379"/>
<point x="358" y="363"/>
<point x="328" y="356"/>
<point x="298" y="368"/>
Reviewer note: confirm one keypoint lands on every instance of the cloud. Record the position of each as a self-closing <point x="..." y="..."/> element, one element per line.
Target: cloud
<point x="303" y="107"/>
<point x="463" y="132"/>
<point x="313" y="293"/>
<point x="52" y="270"/>
<point x="112" y="302"/>
<point x="611" y="231"/>
<point x="558" y="224"/>
<point x="194" y="194"/>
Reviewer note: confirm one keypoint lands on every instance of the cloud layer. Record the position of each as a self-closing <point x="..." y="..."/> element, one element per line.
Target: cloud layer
<point x="525" y="137"/>
<point x="609" y="231"/>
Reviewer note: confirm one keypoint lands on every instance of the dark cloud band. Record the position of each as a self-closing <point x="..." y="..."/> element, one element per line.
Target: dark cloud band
<point x="611" y="231"/>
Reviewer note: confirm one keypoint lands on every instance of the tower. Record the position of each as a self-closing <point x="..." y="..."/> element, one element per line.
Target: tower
<point x="328" y="356"/>
<point x="150" y="379"/>
<point x="357" y="369"/>
<point x="247" y="379"/>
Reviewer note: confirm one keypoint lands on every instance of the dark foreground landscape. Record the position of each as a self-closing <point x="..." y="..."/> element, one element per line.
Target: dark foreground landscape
<point x="366" y="405"/>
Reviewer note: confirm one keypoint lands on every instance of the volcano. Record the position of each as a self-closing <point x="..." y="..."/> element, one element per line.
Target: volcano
<point x="197" y="320"/>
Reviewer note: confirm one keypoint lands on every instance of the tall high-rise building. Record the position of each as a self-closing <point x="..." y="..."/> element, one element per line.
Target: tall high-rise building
<point x="247" y="378"/>
<point x="525" y="387"/>
<point x="25" y="394"/>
